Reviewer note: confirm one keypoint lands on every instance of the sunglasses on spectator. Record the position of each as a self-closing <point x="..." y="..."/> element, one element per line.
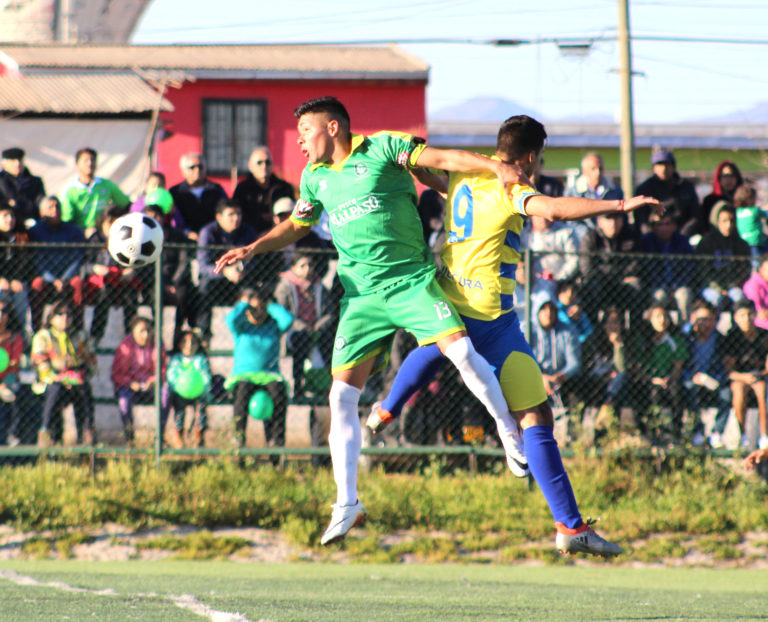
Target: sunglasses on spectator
<point x="63" y="313"/>
<point x="260" y="162"/>
<point x="192" y="167"/>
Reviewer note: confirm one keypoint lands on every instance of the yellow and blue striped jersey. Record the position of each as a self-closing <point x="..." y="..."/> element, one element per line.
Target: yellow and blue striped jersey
<point x="482" y="247"/>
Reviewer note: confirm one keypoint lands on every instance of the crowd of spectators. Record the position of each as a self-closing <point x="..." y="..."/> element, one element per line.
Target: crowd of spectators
<point x="662" y="313"/>
<point x="55" y="267"/>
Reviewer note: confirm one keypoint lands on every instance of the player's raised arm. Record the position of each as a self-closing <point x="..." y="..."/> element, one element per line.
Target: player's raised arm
<point x="280" y="236"/>
<point x="459" y="161"/>
<point x="577" y="208"/>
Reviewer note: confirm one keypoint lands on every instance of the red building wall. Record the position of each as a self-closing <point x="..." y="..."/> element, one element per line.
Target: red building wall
<point x="372" y="106"/>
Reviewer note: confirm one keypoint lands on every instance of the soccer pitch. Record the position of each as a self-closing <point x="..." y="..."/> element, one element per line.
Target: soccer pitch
<point x="242" y="592"/>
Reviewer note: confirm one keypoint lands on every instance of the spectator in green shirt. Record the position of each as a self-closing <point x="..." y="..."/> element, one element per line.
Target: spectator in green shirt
<point x="660" y="355"/>
<point x="749" y="218"/>
<point x="89" y="195"/>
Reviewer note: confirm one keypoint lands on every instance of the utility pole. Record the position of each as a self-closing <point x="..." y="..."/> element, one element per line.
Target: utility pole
<point x="627" y="117"/>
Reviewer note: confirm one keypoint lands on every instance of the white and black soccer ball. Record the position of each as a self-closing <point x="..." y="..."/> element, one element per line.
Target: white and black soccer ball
<point x="135" y="240"/>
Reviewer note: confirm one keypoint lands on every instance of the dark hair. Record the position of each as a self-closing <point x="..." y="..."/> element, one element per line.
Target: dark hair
<point x="152" y="209"/>
<point x="159" y="175"/>
<point x="56" y="308"/>
<point x="700" y="304"/>
<point x="228" y="204"/>
<point x="88" y="150"/>
<point x="745" y="195"/>
<point x="6" y="207"/>
<point x="657" y="305"/>
<point x="520" y="135"/>
<point x="744" y="303"/>
<point x="139" y="319"/>
<point x="195" y="335"/>
<point x="566" y="284"/>
<point x="728" y="209"/>
<point x="52" y="197"/>
<point x="14" y="325"/>
<point x="328" y="104"/>
<point x="761" y="260"/>
<point x="299" y="256"/>
<point x="111" y="213"/>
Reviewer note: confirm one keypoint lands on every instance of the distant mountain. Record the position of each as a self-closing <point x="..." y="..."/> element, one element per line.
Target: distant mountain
<point x="494" y="109"/>
<point x="595" y="117"/>
<point x="757" y="114"/>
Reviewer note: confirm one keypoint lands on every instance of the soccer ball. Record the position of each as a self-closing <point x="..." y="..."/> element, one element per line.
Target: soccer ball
<point x="135" y="240"/>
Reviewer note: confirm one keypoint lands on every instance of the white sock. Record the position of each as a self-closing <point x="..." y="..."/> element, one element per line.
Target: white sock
<point x="344" y="440"/>
<point x="478" y="375"/>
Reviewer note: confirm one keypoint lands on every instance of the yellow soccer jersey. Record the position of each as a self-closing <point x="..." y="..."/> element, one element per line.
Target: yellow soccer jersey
<point x="482" y="248"/>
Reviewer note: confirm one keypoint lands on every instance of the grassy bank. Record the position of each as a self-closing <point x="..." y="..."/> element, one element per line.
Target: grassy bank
<point x="660" y="510"/>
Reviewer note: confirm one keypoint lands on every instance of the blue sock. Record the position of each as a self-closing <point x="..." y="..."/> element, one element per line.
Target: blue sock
<point x="418" y="368"/>
<point x="548" y="471"/>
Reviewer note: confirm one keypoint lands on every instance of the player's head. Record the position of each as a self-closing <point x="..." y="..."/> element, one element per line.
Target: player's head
<point x="321" y="122"/>
<point x="521" y="141"/>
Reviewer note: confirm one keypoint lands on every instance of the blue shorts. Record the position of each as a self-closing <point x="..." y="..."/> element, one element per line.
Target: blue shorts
<point x="502" y="343"/>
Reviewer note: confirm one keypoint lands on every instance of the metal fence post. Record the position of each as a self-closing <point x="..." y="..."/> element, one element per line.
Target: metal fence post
<point x="528" y="292"/>
<point x="158" y="311"/>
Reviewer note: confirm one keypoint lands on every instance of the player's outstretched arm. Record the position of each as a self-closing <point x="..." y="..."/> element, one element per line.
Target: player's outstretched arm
<point x="438" y="183"/>
<point x="284" y="234"/>
<point x="577" y="208"/>
<point x="459" y="161"/>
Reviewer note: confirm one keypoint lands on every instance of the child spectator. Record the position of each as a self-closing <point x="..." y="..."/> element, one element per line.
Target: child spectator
<point x="155" y="193"/>
<point x="746" y="361"/>
<point x="176" y="279"/>
<point x="63" y="363"/>
<point x="134" y="374"/>
<point x="13" y="343"/>
<point x="188" y="354"/>
<point x="256" y="325"/>
<point x="301" y="292"/>
<point x="756" y="289"/>
<point x="604" y="379"/>
<point x="749" y="218"/>
<point x="569" y="311"/>
<point x="108" y="283"/>
<point x="721" y="279"/>
<point x="659" y="359"/>
<point x="704" y="374"/>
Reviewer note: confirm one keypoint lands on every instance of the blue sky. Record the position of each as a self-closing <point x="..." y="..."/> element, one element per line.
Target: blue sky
<point x="679" y="81"/>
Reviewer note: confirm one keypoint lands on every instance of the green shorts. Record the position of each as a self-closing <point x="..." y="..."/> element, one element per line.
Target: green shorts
<point x="368" y="323"/>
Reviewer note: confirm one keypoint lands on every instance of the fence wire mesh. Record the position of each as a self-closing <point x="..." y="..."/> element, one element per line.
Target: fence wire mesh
<point x="635" y="348"/>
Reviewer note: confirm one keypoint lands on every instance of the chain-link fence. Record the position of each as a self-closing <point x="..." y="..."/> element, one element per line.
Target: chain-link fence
<point x="635" y="349"/>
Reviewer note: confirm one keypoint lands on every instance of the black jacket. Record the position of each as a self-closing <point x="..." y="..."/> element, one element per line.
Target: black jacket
<point x="26" y="191"/>
<point x="197" y="212"/>
<point x="679" y="200"/>
<point x="257" y="199"/>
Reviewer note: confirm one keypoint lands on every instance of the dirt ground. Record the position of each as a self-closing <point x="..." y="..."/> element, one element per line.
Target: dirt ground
<point x="114" y="543"/>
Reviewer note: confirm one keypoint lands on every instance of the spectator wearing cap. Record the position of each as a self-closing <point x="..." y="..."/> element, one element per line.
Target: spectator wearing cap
<point x="677" y="195"/>
<point x="197" y="196"/>
<point x="259" y="191"/>
<point x="89" y="196"/>
<point x="20" y="189"/>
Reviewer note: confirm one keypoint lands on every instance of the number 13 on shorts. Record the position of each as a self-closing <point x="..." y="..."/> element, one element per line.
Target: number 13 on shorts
<point x="443" y="310"/>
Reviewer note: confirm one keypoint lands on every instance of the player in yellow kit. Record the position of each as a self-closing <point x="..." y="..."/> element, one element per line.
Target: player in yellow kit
<point x="479" y="261"/>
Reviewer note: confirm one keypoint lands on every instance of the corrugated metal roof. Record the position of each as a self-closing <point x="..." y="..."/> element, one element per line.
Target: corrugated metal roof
<point x="253" y="61"/>
<point x="110" y="93"/>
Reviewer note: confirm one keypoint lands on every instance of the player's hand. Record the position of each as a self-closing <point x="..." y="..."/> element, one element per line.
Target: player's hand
<point x="511" y="174"/>
<point x="233" y="255"/>
<point x="632" y="204"/>
<point x="753" y="459"/>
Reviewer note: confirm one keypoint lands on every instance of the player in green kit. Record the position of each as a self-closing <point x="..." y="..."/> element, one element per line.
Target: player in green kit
<point x="388" y="274"/>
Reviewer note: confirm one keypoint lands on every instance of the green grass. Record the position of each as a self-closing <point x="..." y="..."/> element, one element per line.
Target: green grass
<point x="305" y="591"/>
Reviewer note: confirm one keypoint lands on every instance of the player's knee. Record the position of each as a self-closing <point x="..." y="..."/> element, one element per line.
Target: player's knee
<point x="538" y="415"/>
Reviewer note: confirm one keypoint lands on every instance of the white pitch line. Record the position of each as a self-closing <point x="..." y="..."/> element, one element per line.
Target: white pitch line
<point x="185" y="601"/>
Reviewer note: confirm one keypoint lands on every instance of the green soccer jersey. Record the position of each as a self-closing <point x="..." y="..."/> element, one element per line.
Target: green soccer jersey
<point x="370" y="200"/>
<point x="749" y="224"/>
<point x="83" y="204"/>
